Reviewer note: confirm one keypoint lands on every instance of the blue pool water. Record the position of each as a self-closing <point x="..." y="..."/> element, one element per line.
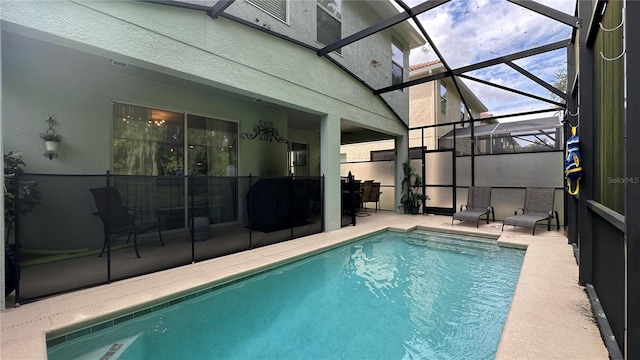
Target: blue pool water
<point x="417" y="295"/>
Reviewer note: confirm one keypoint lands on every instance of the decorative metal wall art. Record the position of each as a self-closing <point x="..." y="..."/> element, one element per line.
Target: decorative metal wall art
<point x="266" y="132"/>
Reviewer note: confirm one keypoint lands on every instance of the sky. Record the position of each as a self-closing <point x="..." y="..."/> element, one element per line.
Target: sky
<point x="470" y="31"/>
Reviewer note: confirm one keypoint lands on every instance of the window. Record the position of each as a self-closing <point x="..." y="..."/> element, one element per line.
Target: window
<point x="443" y="99"/>
<point x="160" y="143"/>
<point x="298" y="155"/>
<point x="146" y="141"/>
<point x="397" y="64"/>
<point x="329" y="21"/>
<point x="212" y="146"/>
<point x="275" y="8"/>
<point x="151" y="142"/>
<point x="463" y="111"/>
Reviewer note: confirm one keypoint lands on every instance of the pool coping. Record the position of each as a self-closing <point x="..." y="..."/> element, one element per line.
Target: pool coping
<point x="26" y="329"/>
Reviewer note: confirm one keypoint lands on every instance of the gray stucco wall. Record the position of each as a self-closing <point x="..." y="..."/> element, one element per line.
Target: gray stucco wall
<point x="179" y="44"/>
<point x="369" y="58"/>
<point x="193" y="47"/>
<point x="79" y="94"/>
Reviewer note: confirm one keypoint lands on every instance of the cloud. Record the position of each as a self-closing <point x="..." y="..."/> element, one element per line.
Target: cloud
<point x="468" y="32"/>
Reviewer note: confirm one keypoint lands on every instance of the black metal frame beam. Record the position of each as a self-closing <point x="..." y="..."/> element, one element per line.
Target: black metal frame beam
<point x="515" y="56"/>
<point x="219" y="7"/>
<point x="549" y="12"/>
<point x="539" y="81"/>
<point x="570" y="202"/>
<point x="594" y="24"/>
<point x="487" y="118"/>
<point x="214" y="11"/>
<point x="612" y="217"/>
<point x="632" y="172"/>
<point x="587" y="150"/>
<point x="179" y="4"/>
<point x="384" y="24"/>
<point x="501" y="60"/>
<point x="501" y="87"/>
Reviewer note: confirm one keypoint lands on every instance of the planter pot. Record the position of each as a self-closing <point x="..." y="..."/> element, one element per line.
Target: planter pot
<point x="414" y="210"/>
<point x="51" y="146"/>
<point x="200" y="228"/>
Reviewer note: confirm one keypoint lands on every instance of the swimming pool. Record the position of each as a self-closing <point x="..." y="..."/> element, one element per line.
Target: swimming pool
<point x="392" y="295"/>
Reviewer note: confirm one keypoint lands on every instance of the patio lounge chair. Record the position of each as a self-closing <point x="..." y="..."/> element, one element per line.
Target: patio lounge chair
<point x="366" y="191"/>
<point x="478" y="205"/>
<point x="117" y="219"/>
<point x="538" y="206"/>
<point x="374" y="195"/>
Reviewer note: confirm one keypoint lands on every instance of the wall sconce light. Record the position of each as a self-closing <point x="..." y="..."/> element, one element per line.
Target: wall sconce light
<point x="51" y="139"/>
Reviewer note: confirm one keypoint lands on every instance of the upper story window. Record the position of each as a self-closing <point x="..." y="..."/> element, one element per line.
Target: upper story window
<point x="397" y="64"/>
<point x="329" y="21"/>
<point x="463" y="110"/>
<point x="443" y="99"/>
<point x="275" y="8"/>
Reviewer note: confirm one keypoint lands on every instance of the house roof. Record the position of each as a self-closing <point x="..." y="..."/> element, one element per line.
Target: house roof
<point x="424" y="65"/>
<point x="506" y="128"/>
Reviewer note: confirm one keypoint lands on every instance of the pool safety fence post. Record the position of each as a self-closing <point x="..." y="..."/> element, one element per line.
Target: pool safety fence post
<point x="192" y="229"/>
<point x="107" y="226"/>
<point x="352" y="196"/>
<point x="249" y="213"/>
<point x="291" y="217"/>
<point x="16" y="236"/>
<point x="322" y="202"/>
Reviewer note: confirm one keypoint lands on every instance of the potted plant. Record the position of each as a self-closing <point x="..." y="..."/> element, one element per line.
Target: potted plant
<point x="411" y="199"/>
<point x="51" y="141"/>
<point x="28" y="196"/>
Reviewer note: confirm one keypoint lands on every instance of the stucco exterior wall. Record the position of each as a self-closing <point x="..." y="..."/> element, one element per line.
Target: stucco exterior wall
<point x="369" y="58"/>
<point x="183" y="44"/>
<point x="362" y="151"/>
<point x="422" y="112"/>
<point x="35" y="86"/>
<point x="194" y="47"/>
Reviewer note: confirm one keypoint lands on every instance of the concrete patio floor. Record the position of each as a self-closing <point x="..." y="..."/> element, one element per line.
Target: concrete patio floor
<point x="550" y="316"/>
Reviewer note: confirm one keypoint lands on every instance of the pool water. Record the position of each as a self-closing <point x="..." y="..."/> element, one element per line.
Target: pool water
<point x="417" y="295"/>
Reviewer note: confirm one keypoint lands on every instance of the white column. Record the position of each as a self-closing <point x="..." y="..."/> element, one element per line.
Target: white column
<point x="330" y="168"/>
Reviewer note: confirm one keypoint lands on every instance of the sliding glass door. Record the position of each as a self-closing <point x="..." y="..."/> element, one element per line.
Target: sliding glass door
<point x="164" y="146"/>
